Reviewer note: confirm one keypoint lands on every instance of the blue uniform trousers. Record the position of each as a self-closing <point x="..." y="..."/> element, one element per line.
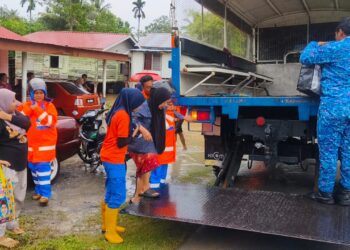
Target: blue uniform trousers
<point x="41" y="173"/>
<point x="333" y="133"/>
<point x="115" y="184"/>
<point x="158" y="176"/>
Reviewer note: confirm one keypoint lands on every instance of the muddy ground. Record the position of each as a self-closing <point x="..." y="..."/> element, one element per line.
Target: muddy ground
<point x="77" y="193"/>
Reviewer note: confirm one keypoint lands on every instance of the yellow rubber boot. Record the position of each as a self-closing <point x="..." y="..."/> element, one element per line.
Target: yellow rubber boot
<point x="111" y="234"/>
<point x="119" y="229"/>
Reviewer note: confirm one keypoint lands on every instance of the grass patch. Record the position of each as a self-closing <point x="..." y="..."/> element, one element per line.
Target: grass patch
<point x="197" y="176"/>
<point x="142" y="233"/>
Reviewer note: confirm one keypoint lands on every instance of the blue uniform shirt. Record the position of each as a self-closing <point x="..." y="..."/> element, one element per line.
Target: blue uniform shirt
<point x="334" y="59"/>
<point x="142" y="117"/>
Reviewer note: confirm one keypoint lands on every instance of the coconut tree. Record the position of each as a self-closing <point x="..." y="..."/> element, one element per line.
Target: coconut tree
<point x="31" y="6"/>
<point x="139" y="13"/>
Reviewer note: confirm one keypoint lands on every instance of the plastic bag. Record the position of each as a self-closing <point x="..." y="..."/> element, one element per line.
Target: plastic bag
<point x="7" y="200"/>
<point x="310" y="80"/>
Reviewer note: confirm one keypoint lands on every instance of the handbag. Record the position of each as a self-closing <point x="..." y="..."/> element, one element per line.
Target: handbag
<point x="310" y="80"/>
<point x="7" y="199"/>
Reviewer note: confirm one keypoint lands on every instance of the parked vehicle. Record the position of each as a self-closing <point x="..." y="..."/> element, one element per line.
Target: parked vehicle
<point x="92" y="132"/>
<point x="71" y="100"/>
<point x="68" y="142"/>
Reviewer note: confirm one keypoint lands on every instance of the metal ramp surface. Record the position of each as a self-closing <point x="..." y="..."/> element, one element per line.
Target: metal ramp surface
<point x="256" y="211"/>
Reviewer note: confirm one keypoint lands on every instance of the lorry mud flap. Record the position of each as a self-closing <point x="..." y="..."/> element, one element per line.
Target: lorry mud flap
<point x="256" y="211"/>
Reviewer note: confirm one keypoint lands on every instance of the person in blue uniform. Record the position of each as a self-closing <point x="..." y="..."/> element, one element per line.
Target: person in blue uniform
<point x="333" y="121"/>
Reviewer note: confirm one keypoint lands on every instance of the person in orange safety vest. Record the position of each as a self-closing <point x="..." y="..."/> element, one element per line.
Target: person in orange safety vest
<point x="42" y="138"/>
<point x="158" y="175"/>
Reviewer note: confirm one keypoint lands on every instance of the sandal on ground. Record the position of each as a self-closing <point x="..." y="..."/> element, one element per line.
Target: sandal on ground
<point x="17" y="231"/>
<point x="134" y="201"/>
<point x="8" y="242"/>
<point x="150" y="193"/>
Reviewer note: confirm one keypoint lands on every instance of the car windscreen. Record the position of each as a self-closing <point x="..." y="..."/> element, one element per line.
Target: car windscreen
<point x="72" y="89"/>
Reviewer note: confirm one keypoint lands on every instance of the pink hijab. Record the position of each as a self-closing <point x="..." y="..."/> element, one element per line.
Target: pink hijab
<point x="6" y="99"/>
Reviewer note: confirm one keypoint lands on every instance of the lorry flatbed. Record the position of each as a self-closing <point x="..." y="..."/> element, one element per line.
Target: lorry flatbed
<point x="264" y="212"/>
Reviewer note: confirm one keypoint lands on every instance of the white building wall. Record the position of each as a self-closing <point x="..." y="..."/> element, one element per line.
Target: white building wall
<point x="137" y="62"/>
<point x="166" y="71"/>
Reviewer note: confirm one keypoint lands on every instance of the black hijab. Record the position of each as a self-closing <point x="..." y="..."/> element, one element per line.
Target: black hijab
<point x="157" y="97"/>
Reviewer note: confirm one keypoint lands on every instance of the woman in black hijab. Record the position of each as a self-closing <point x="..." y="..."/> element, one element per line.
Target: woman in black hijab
<point x="151" y="117"/>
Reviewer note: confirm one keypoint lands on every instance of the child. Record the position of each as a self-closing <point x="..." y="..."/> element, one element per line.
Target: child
<point x="113" y="153"/>
<point x="42" y="138"/>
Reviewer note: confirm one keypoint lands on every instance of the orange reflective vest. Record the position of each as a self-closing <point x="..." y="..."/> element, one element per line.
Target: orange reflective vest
<point x="42" y="134"/>
<point x="169" y="154"/>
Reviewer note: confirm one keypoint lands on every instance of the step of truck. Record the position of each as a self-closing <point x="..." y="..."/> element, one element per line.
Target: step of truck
<point x="256" y="211"/>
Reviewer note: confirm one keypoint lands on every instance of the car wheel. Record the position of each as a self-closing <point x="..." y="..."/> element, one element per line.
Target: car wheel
<point x="55" y="169"/>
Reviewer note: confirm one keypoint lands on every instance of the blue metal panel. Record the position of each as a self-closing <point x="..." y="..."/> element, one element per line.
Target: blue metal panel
<point x="307" y="107"/>
<point x="175" y="66"/>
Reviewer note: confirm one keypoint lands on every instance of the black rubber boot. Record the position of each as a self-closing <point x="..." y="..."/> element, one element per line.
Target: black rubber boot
<point x="342" y="196"/>
<point x="325" y="198"/>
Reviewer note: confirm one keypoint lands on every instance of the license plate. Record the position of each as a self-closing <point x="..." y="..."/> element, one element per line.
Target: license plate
<point x="90" y="101"/>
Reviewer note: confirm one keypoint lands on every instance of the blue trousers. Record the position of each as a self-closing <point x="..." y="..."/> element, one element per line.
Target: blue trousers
<point x="333" y="133"/>
<point x="41" y="173"/>
<point x="115" y="184"/>
<point x="158" y="176"/>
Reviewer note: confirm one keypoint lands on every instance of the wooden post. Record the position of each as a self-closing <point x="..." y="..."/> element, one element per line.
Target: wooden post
<point x="104" y="77"/>
<point x="24" y="76"/>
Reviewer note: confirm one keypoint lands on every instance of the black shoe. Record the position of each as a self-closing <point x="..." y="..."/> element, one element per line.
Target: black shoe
<point x="342" y="196"/>
<point x="325" y="198"/>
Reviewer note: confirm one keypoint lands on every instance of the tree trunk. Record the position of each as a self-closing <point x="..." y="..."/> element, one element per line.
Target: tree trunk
<point x="138" y="30"/>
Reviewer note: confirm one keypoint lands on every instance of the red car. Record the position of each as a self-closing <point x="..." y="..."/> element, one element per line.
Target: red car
<point x="68" y="142"/>
<point x="70" y="100"/>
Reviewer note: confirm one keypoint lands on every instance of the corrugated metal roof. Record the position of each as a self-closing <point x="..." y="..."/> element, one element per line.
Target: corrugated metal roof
<point x="7" y="34"/>
<point x="270" y="13"/>
<point x="156" y="41"/>
<point x="85" y="40"/>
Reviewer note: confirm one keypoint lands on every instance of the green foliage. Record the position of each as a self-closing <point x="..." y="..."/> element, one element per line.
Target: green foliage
<point x="81" y="15"/>
<point x="211" y="31"/>
<point x="11" y="21"/>
<point x="74" y="15"/>
<point x="159" y="25"/>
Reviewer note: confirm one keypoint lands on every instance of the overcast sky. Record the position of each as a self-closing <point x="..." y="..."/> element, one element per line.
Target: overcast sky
<point x="121" y="8"/>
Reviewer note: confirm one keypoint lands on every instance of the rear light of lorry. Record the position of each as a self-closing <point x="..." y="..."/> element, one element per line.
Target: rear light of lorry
<point x="201" y="115"/>
<point x="260" y="121"/>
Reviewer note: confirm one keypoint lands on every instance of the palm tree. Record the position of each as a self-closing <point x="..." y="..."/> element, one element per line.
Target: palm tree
<point x="31" y="6"/>
<point x="139" y="13"/>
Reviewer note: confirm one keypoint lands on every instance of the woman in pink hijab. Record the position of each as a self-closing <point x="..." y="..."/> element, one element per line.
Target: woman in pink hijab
<point x="13" y="150"/>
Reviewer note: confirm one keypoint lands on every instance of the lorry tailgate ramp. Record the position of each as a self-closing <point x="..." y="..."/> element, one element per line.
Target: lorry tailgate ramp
<point x="256" y="211"/>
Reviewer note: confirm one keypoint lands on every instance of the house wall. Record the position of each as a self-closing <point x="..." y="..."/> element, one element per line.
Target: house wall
<point x="70" y="68"/>
<point x="138" y="62"/>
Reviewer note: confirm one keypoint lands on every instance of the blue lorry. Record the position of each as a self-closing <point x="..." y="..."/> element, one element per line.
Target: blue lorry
<point x="248" y="107"/>
<point x="230" y="95"/>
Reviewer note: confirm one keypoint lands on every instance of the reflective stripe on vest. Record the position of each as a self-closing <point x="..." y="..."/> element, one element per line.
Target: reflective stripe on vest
<point x="169" y="149"/>
<point x="42" y="116"/>
<point x="47" y="148"/>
